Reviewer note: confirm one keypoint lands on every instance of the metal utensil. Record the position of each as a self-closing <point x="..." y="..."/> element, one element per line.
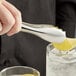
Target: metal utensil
<point x="44" y="31"/>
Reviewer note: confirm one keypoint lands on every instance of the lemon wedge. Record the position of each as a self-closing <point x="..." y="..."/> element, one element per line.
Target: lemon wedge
<point x="66" y="45"/>
<point x="28" y="75"/>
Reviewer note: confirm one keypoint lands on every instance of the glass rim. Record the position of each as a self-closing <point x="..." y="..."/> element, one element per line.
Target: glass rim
<point x="48" y="47"/>
<point x="62" y="57"/>
<point x="26" y="67"/>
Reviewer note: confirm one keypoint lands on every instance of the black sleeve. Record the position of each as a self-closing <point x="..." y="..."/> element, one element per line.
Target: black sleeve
<point x="66" y="17"/>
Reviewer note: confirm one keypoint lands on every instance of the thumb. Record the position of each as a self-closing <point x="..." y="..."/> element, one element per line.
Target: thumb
<point x="0" y="26"/>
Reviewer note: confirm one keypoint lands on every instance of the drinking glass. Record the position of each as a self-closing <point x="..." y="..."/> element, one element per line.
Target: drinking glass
<point x="60" y="63"/>
<point x="19" y="71"/>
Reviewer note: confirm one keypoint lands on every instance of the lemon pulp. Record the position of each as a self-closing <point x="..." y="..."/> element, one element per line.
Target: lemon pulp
<point x="66" y="45"/>
<point x="28" y="75"/>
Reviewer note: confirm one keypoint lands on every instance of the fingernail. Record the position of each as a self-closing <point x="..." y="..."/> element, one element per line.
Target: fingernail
<point x="10" y="34"/>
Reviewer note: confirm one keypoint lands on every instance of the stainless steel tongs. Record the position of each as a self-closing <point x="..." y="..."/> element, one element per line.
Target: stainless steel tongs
<point x="46" y="32"/>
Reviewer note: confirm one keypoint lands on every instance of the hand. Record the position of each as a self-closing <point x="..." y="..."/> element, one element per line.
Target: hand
<point x="10" y="18"/>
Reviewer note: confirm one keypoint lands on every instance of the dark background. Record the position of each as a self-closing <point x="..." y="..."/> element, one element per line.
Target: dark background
<point x="29" y="50"/>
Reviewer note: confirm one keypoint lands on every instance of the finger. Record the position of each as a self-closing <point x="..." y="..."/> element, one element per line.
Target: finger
<point x="17" y="15"/>
<point x="6" y="19"/>
<point x="0" y="26"/>
<point x="1" y="1"/>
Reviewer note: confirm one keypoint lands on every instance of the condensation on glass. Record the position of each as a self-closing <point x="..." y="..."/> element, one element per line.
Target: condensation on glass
<point x="60" y="63"/>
